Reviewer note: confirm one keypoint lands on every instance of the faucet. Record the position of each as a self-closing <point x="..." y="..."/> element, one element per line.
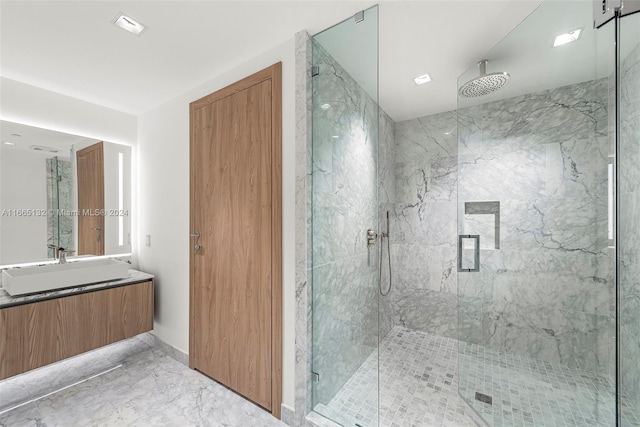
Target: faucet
<point x="62" y="255"/>
<point x="56" y="251"/>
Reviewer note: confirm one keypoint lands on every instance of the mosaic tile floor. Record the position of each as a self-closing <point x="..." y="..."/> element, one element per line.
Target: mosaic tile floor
<point x="124" y="384"/>
<point x="419" y="388"/>
<point x="417" y="381"/>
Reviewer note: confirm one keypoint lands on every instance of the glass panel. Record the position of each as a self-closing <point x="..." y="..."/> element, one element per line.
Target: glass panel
<point x="345" y="205"/>
<point x="537" y="321"/>
<point x="59" y="201"/>
<point x="629" y="220"/>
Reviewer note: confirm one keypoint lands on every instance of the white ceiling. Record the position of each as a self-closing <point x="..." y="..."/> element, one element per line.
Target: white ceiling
<point x="71" y="47"/>
<point x="24" y="137"/>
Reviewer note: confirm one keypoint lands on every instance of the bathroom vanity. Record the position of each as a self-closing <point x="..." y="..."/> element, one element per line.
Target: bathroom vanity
<point x="39" y="329"/>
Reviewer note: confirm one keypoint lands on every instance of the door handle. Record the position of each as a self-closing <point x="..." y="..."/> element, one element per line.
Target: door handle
<point x="476" y="253"/>
<point x="197" y="237"/>
<point x="98" y="237"/>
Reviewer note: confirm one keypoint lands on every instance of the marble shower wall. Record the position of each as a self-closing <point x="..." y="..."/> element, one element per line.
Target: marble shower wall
<point x="423" y="228"/>
<point x="548" y="291"/>
<point x="59" y="196"/>
<point x="629" y="263"/>
<point x="344" y="204"/>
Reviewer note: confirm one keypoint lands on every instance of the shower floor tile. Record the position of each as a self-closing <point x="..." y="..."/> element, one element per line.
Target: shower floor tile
<point x="419" y="383"/>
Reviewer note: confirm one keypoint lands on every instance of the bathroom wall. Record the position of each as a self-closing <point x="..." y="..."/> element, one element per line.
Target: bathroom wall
<point x="163" y="143"/>
<point x="548" y="290"/>
<point x="34" y="106"/>
<point x="423" y="228"/>
<point x="629" y="263"/>
<point x="26" y="169"/>
<point x="386" y="198"/>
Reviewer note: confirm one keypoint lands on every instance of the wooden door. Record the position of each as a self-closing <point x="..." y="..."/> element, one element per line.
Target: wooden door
<point x="90" y="165"/>
<point x="235" y="290"/>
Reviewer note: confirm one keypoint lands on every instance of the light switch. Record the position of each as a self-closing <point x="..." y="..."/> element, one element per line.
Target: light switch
<point x="148" y="239"/>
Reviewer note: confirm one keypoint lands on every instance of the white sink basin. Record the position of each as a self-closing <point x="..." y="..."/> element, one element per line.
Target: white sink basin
<point x="28" y="280"/>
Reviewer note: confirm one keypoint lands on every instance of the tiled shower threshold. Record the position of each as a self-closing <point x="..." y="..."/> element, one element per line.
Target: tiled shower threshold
<point x="419" y="384"/>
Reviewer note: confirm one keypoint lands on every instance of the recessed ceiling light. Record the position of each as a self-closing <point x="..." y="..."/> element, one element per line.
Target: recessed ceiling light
<point x="335" y="137"/>
<point x="129" y="24"/>
<point x="44" y="148"/>
<point x="567" y="37"/>
<point x="325" y="106"/>
<point x="8" y="143"/>
<point x="420" y="80"/>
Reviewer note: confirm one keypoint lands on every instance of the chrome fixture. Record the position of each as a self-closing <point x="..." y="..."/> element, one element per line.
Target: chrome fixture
<point x="196" y="235"/>
<point x="476" y="253"/>
<point x="56" y="251"/>
<point x="485" y="83"/>
<point x="62" y="255"/>
<point x="385" y="234"/>
<point x="371" y="237"/>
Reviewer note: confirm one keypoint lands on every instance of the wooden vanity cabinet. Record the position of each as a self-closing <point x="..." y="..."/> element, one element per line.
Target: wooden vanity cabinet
<point x="36" y="334"/>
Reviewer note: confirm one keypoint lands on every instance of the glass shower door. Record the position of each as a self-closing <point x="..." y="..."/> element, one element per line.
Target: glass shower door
<point x="345" y="206"/>
<point x="536" y="287"/>
<point x="629" y="220"/>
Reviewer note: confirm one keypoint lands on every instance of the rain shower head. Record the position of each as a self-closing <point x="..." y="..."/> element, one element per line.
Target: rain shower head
<point x="485" y="83"/>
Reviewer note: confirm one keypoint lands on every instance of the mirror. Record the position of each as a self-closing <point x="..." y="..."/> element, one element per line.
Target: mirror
<point x="59" y="190"/>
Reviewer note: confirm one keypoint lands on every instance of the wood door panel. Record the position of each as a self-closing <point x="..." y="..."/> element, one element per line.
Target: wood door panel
<point x="232" y="201"/>
<point x="90" y="165"/>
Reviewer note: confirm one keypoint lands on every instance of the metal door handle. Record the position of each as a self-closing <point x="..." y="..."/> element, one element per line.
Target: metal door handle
<point x="197" y="237"/>
<point x="476" y="253"/>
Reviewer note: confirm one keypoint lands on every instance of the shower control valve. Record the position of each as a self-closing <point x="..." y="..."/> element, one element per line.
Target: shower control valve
<point x="371" y="237"/>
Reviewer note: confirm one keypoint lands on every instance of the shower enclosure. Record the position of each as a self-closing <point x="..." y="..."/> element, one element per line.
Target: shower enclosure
<point x="59" y="201"/>
<point x="514" y="231"/>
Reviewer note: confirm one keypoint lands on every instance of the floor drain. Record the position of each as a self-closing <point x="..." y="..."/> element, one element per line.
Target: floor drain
<point x="484" y="398"/>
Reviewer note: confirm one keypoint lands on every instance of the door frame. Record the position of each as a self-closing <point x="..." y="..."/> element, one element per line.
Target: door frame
<point x="274" y="75"/>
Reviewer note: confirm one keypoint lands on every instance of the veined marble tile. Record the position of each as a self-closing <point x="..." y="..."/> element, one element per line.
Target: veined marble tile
<point x="430" y="311"/>
<point x="424" y="267"/>
<point x="386" y="159"/>
<point x="341" y="287"/>
<point x="570" y="338"/>
<point x="575" y="111"/>
<point x="421" y="181"/>
<point x="429" y="223"/>
<point x="630" y="85"/>
<point x="427" y="137"/>
<point x="629" y="154"/>
<point x="516" y="175"/>
<point x="25" y="416"/>
<point x="340" y="226"/>
<point x="149" y="389"/>
<point x="578" y="168"/>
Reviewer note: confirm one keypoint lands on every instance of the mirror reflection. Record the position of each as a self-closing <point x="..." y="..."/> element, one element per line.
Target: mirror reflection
<point x="62" y="193"/>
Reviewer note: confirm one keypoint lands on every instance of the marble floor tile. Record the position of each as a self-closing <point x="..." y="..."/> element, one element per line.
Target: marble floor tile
<point x="417" y="386"/>
<point x="422" y="374"/>
<point x="144" y="387"/>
